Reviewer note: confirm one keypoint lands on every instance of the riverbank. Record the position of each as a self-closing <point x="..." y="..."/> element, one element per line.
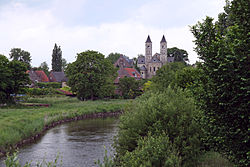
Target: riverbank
<point x="20" y="125"/>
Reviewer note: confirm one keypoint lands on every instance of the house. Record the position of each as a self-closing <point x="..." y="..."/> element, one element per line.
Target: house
<point x="150" y="63"/>
<point x="125" y="69"/>
<point x="125" y="61"/>
<point x="58" y="77"/>
<point x="37" y="76"/>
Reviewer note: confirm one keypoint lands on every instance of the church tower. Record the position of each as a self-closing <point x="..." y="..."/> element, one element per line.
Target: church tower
<point x="163" y="50"/>
<point x="148" y="50"/>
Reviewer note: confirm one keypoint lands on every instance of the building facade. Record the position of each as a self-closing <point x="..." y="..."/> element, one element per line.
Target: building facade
<point x="150" y="63"/>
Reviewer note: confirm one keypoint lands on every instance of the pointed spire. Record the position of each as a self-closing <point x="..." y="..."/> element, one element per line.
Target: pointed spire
<point x="148" y="40"/>
<point x="163" y="39"/>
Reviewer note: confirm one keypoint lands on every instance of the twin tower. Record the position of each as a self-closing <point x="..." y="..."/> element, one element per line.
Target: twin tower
<point x="150" y="63"/>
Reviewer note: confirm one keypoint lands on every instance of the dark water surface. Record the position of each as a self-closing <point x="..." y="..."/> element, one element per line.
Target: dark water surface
<point x="79" y="143"/>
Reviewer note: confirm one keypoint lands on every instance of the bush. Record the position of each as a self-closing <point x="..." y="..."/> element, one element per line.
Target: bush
<point x="49" y="85"/>
<point x="171" y="112"/>
<point x="39" y="91"/>
<point x="154" y="151"/>
<point x="129" y="87"/>
<point x="224" y="48"/>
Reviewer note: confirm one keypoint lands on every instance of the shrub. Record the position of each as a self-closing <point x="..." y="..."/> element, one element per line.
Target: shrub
<point x="40" y="91"/>
<point x="171" y="112"/>
<point x="154" y="151"/>
<point x="49" y="85"/>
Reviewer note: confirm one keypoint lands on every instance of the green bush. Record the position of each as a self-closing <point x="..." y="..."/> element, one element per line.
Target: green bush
<point x="49" y="85"/>
<point x="224" y="48"/>
<point x="40" y="91"/>
<point x="154" y="151"/>
<point x="171" y="112"/>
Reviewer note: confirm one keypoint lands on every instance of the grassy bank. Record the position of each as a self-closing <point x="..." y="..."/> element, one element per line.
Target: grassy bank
<point x="20" y="122"/>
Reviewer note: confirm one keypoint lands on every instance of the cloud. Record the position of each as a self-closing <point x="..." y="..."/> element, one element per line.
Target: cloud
<point x="37" y="29"/>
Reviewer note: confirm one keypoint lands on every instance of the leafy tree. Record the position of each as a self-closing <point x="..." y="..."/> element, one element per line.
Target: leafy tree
<point x="44" y="66"/>
<point x="166" y="75"/>
<point x="91" y="75"/>
<point x="224" y="48"/>
<point x="57" y="59"/>
<point x="187" y="77"/>
<point x="21" y="55"/>
<point x="64" y="64"/>
<point x="179" y="55"/>
<point x="12" y="78"/>
<point x="113" y="57"/>
<point x="129" y="87"/>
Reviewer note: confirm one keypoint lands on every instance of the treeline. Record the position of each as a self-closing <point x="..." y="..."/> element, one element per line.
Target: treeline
<point x="186" y="112"/>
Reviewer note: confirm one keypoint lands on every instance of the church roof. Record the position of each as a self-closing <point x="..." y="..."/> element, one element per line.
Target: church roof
<point x="163" y="39"/>
<point x="148" y="40"/>
<point x="141" y="60"/>
<point x="155" y="59"/>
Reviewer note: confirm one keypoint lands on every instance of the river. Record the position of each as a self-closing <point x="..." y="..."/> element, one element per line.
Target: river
<point x="78" y="143"/>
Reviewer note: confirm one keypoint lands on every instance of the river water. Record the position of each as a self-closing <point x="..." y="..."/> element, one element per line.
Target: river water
<point x="78" y="143"/>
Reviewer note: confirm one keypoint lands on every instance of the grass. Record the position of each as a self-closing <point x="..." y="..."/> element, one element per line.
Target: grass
<point x="20" y="122"/>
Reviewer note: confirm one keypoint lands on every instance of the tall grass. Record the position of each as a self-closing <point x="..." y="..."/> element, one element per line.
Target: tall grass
<point x="20" y="122"/>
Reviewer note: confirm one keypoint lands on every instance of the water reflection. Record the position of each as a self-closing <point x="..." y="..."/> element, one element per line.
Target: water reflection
<point x="79" y="143"/>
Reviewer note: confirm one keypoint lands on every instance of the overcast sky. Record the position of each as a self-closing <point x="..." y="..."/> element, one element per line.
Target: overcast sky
<point x="102" y="25"/>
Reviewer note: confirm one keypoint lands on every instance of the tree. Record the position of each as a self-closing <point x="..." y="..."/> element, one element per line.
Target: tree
<point x="179" y="55"/>
<point x="91" y="75"/>
<point x="57" y="59"/>
<point x="21" y="55"/>
<point x="166" y="75"/>
<point x="64" y="64"/>
<point x="13" y="77"/>
<point x="44" y="66"/>
<point x="113" y="57"/>
<point x="129" y="87"/>
<point x="224" y="48"/>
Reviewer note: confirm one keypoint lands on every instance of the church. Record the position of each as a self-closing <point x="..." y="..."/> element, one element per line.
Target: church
<point x="149" y="63"/>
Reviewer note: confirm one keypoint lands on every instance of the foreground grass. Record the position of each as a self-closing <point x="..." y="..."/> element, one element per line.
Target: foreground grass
<point x="21" y="122"/>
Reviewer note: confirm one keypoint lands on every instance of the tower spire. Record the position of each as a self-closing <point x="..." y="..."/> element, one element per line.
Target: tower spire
<point x="163" y="39"/>
<point x="148" y="40"/>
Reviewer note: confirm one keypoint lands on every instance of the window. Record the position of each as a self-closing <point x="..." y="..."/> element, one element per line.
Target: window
<point x="154" y="68"/>
<point x="141" y="72"/>
<point x="150" y="69"/>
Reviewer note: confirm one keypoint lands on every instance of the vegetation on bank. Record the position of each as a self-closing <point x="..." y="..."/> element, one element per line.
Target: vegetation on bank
<point x="21" y="122"/>
<point x="195" y="111"/>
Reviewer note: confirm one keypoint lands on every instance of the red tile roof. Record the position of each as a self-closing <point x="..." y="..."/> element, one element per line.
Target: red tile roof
<point x="133" y="72"/>
<point x="39" y="76"/>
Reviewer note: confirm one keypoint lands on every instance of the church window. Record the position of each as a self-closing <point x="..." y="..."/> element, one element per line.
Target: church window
<point x="150" y="69"/>
<point x="154" y="68"/>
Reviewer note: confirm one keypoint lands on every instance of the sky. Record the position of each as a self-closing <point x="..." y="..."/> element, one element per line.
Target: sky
<point x="102" y="25"/>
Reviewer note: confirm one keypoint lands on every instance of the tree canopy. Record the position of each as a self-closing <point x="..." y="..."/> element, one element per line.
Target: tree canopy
<point x="91" y="75"/>
<point x="21" y="55"/>
<point x="13" y="77"/>
<point x="179" y="55"/>
<point x="44" y="66"/>
<point x="64" y="64"/>
<point x="224" y="48"/>
<point x="129" y="87"/>
<point x="113" y="57"/>
<point x="57" y="59"/>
